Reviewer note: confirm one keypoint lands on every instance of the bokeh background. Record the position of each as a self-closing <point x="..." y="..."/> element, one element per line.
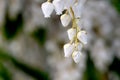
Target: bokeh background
<point x="31" y="47"/>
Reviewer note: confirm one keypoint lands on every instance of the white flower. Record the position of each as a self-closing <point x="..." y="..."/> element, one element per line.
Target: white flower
<point x="68" y="49"/>
<point x="77" y="10"/>
<point x="79" y="46"/>
<point x="65" y="19"/>
<point x="71" y="33"/>
<point x="82" y="36"/>
<point x="76" y="56"/>
<point x="59" y="6"/>
<point x="69" y="3"/>
<point x="79" y="22"/>
<point x="47" y="8"/>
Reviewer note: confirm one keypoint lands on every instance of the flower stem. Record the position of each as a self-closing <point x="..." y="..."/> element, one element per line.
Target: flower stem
<point x="74" y="25"/>
<point x="48" y="0"/>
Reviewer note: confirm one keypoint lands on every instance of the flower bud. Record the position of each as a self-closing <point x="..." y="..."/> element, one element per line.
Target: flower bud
<point x="47" y="8"/>
<point x="76" y="56"/>
<point x="65" y="19"/>
<point x="71" y="33"/>
<point x="68" y="49"/>
<point x="82" y="36"/>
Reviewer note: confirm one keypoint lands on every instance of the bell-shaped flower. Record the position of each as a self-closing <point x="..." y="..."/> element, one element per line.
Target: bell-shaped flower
<point x="68" y="49"/>
<point x="68" y="3"/>
<point x="76" y="56"/>
<point x="71" y="33"/>
<point x="82" y="36"/>
<point x="80" y="22"/>
<point x="65" y="19"/>
<point x="47" y="8"/>
<point x="79" y="46"/>
<point x="77" y="10"/>
<point x="59" y="6"/>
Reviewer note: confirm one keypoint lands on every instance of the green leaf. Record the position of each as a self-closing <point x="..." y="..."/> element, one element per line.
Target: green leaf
<point x="116" y="4"/>
<point x="4" y="73"/>
<point x="91" y="72"/>
<point x="40" y="35"/>
<point x="4" y="55"/>
<point x="115" y="66"/>
<point x="12" y="26"/>
<point x="33" y="72"/>
<point x="37" y="74"/>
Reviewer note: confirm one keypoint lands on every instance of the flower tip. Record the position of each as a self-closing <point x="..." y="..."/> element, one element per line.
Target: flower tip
<point x="58" y="13"/>
<point x="46" y="16"/>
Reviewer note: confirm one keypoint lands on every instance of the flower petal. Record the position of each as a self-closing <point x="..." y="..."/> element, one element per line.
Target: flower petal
<point x="79" y="46"/>
<point x="65" y="19"/>
<point x="71" y="33"/>
<point x="68" y="49"/>
<point x="47" y="9"/>
<point x="82" y="36"/>
<point x="59" y="6"/>
<point x="76" y="56"/>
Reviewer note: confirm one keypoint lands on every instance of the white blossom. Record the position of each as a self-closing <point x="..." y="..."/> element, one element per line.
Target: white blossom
<point x="73" y="12"/>
<point x="69" y="3"/>
<point x="82" y="36"/>
<point x="71" y="33"/>
<point x="79" y="22"/>
<point x="68" y="49"/>
<point x="77" y="9"/>
<point x="76" y="56"/>
<point x="79" y="46"/>
<point x="47" y="8"/>
<point x="65" y="19"/>
<point x="59" y="6"/>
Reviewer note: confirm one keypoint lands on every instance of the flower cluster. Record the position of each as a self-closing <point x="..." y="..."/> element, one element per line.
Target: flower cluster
<point x="77" y="36"/>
